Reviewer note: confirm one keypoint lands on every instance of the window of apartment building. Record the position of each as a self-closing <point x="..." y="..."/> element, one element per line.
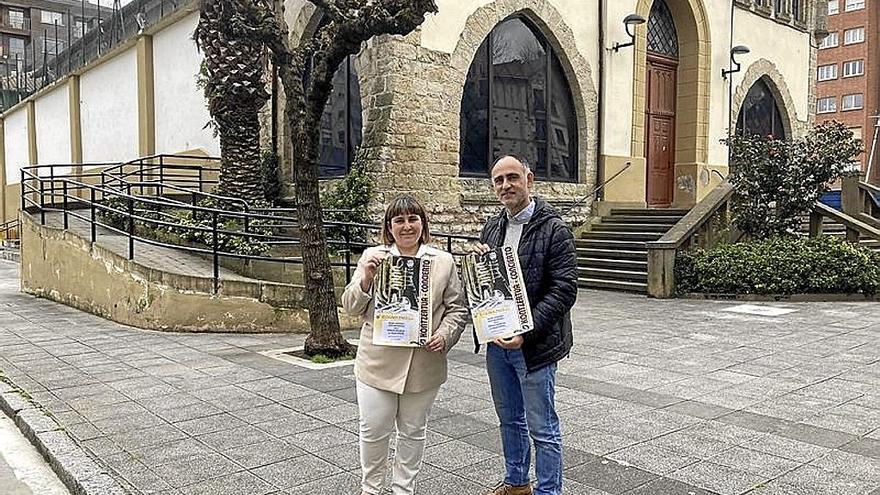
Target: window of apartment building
<point x="855" y="35"/>
<point x="826" y="105"/>
<point x="830" y="41"/>
<point x="16" y="47"/>
<point x="49" y="17"/>
<point x="854" y="5"/>
<point x="857" y="132"/>
<point x="833" y="7"/>
<point x="854" y="68"/>
<point x="16" y="18"/>
<point x="79" y="27"/>
<point x="852" y="102"/>
<point x="52" y="46"/>
<point x="827" y="72"/>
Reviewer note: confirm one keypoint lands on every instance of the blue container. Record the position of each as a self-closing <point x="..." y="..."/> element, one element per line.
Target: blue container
<point x="831" y="198"/>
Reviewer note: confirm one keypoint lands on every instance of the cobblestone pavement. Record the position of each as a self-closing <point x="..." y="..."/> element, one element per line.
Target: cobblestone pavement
<point x="658" y="397"/>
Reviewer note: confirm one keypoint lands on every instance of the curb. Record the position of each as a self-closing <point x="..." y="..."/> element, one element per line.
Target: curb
<point x="76" y="469"/>
<point x="830" y="297"/>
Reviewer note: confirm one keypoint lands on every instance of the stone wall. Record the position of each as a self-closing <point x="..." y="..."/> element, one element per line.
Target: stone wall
<point x="411" y="98"/>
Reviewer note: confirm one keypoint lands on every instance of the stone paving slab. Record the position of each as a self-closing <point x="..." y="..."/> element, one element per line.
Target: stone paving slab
<point x="658" y="397"/>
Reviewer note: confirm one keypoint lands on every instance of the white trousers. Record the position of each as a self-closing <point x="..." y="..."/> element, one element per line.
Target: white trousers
<point x="380" y="411"/>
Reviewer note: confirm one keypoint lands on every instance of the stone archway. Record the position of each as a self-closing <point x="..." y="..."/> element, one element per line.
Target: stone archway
<point x="763" y="69"/>
<point x="692" y="108"/>
<point x="577" y="70"/>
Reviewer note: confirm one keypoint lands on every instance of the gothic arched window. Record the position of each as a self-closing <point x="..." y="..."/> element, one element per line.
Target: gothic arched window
<point x="759" y="114"/>
<point x="662" y="37"/>
<point x="341" y="123"/>
<point x="513" y="81"/>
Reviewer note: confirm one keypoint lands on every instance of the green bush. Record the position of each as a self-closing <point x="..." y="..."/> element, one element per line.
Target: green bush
<point x="185" y="219"/>
<point x="351" y="196"/>
<point x="777" y="181"/>
<point x="780" y="265"/>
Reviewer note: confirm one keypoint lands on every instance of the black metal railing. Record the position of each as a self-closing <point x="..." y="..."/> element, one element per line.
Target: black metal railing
<point x="10" y="229"/>
<point x="167" y="194"/>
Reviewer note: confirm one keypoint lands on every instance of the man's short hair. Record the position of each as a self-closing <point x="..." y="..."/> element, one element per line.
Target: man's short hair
<point x="525" y="164"/>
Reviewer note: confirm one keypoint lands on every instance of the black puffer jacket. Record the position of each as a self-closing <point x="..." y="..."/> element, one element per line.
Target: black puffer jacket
<point x="548" y="259"/>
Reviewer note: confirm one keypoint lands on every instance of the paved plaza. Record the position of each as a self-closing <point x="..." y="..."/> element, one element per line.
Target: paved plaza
<point x="658" y="397"/>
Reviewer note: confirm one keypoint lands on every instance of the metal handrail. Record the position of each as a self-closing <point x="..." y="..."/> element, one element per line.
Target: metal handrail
<point x="10" y="226"/>
<point x="596" y="189"/>
<point x="57" y="193"/>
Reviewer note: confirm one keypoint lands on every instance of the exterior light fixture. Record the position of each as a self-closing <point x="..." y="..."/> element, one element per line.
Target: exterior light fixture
<point x="735" y="66"/>
<point x="628" y="21"/>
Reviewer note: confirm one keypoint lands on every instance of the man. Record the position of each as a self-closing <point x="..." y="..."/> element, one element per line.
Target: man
<point x="522" y="369"/>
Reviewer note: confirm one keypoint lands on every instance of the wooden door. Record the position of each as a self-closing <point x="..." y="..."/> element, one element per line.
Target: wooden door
<point x="660" y="130"/>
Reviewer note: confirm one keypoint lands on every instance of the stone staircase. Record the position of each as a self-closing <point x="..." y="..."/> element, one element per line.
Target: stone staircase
<point x="830" y="227"/>
<point x="613" y="254"/>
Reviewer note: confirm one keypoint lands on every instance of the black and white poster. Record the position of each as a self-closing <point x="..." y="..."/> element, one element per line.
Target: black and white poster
<point x="402" y="295"/>
<point x="496" y="294"/>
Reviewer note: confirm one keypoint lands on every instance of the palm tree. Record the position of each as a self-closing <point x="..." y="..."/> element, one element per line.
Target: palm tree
<point x="235" y="90"/>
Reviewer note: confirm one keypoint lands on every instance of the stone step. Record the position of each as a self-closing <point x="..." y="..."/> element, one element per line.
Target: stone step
<point x="615" y="254"/>
<point x="593" y="283"/>
<point x="644" y="219"/>
<point x="649" y="212"/>
<point x="623" y="236"/>
<point x="593" y="243"/>
<point x="613" y="274"/>
<point x="631" y="227"/>
<point x="614" y="264"/>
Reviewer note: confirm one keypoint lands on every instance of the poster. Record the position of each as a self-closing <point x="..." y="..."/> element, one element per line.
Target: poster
<point x="496" y="294"/>
<point x="402" y="292"/>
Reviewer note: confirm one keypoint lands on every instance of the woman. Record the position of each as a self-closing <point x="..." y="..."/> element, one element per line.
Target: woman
<point x="397" y="385"/>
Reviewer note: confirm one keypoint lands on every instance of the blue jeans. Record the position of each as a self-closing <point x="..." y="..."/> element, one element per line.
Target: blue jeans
<point x="525" y="406"/>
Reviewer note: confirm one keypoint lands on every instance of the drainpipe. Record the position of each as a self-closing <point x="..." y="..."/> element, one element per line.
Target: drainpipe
<point x="600" y="168"/>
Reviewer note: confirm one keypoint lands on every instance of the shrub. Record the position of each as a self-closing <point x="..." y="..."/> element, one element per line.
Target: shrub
<point x="780" y="265"/>
<point x="185" y="219"/>
<point x="351" y="196"/>
<point x="776" y="181"/>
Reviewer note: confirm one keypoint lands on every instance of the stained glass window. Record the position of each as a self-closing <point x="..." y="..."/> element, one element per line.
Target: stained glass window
<point x="760" y="113"/>
<point x="517" y="100"/>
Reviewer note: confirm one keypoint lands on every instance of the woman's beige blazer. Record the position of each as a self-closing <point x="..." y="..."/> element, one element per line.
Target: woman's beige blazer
<point x="407" y="369"/>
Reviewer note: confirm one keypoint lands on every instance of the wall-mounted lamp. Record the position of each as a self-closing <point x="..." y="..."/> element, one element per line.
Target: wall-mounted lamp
<point x="737" y="50"/>
<point x="630" y="20"/>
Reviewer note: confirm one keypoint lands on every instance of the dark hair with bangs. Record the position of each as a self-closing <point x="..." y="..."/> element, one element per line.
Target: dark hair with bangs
<point x="403" y="204"/>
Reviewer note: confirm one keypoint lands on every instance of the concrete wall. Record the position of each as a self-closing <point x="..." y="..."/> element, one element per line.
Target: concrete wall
<point x="15" y="135"/>
<point x="53" y="127"/>
<point x="63" y="267"/>
<point x="181" y="108"/>
<point x="109" y="96"/>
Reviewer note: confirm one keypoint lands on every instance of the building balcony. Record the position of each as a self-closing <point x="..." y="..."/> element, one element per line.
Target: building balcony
<point x="16" y="25"/>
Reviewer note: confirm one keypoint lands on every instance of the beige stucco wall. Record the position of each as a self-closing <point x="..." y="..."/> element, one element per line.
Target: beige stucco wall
<point x="53" y="127"/>
<point x="61" y="266"/>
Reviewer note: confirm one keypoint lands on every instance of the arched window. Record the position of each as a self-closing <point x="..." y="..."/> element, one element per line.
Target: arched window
<point x="513" y="81"/>
<point x="759" y="114"/>
<point x="662" y="37"/>
<point x="341" y="123"/>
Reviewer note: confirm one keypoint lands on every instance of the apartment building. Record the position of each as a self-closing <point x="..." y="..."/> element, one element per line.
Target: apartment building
<point x="30" y="30"/>
<point x="848" y="73"/>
